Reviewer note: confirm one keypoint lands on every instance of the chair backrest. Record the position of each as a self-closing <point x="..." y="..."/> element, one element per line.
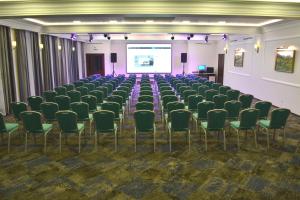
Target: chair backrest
<point x="216" y="119"/>
<point x="146" y="88"/>
<point x="69" y="87"/>
<point x="124" y="88"/>
<point x="209" y="94"/>
<point x="98" y="94"/>
<point x="75" y="96"/>
<point x="248" y="118"/>
<point x="49" y="96"/>
<point x="78" y="83"/>
<point x="32" y="121"/>
<point x="109" y="87"/>
<point x="17" y="108"/>
<point x="264" y="108"/>
<point x="233" y="94"/>
<point x="63" y="102"/>
<point x="164" y="88"/>
<point x="233" y="108"/>
<point x="188" y="93"/>
<point x="246" y="100"/>
<point x="223" y="89"/>
<point x="67" y="121"/>
<point x="61" y="90"/>
<point x="180" y="120"/>
<point x="91" y="100"/>
<point x="104" y="90"/>
<point x="121" y="93"/>
<point x="144" y="105"/>
<point x="169" y="98"/>
<point x="146" y="92"/>
<point x="193" y="101"/>
<point x="83" y="90"/>
<point x="49" y="110"/>
<point x="195" y="86"/>
<point x="89" y="86"/>
<point x="112" y="106"/>
<point x="145" y="98"/>
<point x="178" y="85"/>
<point x="219" y="100"/>
<point x="182" y="89"/>
<point x="202" y="89"/>
<point x="116" y="98"/>
<point x="279" y="117"/>
<point x="167" y="92"/>
<point x="35" y="102"/>
<point x="104" y="120"/>
<point x="203" y="108"/>
<point x="81" y="109"/>
<point x="2" y="124"/>
<point x="144" y="120"/>
<point x="175" y="105"/>
<point x="216" y="86"/>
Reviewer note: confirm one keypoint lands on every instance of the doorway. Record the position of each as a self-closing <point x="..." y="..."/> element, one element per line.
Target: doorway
<point x="221" y="59"/>
<point x="95" y="64"/>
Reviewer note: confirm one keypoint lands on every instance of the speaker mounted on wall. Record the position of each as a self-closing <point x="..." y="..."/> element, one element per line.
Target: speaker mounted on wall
<point x="113" y="57"/>
<point x="183" y="57"/>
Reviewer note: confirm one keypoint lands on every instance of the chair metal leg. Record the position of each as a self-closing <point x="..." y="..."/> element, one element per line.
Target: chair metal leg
<point x="135" y="140"/>
<point x="60" y="142"/>
<point x="8" y="143"/>
<point x="238" y="140"/>
<point x="268" y="142"/>
<point x="170" y="140"/>
<point x="154" y="139"/>
<point x="255" y="138"/>
<point x="189" y="135"/>
<point x="96" y="145"/>
<point x="283" y="135"/>
<point x="274" y="134"/>
<point x="116" y="140"/>
<point x="91" y="127"/>
<point x="79" y="141"/>
<point x="45" y="143"/>
<point x="224" y="140"/>
<point x="26" y="141"/>
<point x="205" y="138"/>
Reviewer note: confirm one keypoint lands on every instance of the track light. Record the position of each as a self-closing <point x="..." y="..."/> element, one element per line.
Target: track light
<point x="224" y="37"/>
<point x="172" y="37"/>
<point x="105" y="35"/>
<point x="108" y="37"/>
<point x="188" y="37"/>
<point x="126" y="37"/>
<point x="191" y="35"/>
<point x="91" y="37"/>
<point x="73" y="36"/>
<point x="206" y="39"/>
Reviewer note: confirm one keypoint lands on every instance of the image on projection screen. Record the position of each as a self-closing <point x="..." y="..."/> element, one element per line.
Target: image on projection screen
<point x="149" y="58"/>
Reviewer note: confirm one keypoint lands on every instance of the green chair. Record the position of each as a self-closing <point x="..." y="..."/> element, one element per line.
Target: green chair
<point x="246" y="100"/>
<point x="166" y="92"/>
<point x="278" y="120"/>
<point x="223" y="89"/>
<point x="216" y="86"/>
<point x="175" y="105"/>
<point x="201" y="114"/>
<point x="219" y="101"/>
<point x="99" y="95"/>
<point x="35" y="103"/>
<point x="165" y="100"/>
<point x="195" y="86"/>
<point x="32" y="122"/>
<point x="264" y="108"/>
<point x="75" y="96"/>
<point x="118" y="99"/>
<point x="114" y="107"/>
<point x="69" y="87"/>
<point x="165" y="88"/>
<point x="67" y="121"/>
<point x="63" y="102"/>
<point x="83" y="90"/>
<point x="144" y="105"/>
<point x="49" y="110"/>
<point x="91" y="101"/>
<point x="186" y="95"/>
<point x="146" y="88"/>
<point x="209" y="94"/>
<point x="109" y="88"/>
<point x="17" y="108"/>
<point x="232" y="95"/>
<point x="182" y="89"/>
<point x="193" y="101"/>
<point x="123" y="94"/>
<point x="61" y="90"/>
<point x="215" y="122"/>
<point x="145" y="98"/>
<point x="146" y="92"/>
<point x="144" y="123"/>
<point x="104" y="90"/>
<point x="233" y="108"/>
<point x="7" y="128"/>
<point x="179" y="122"/>
<point x="202" y="89"/>
<point x="89" y="86"/>
<point x="247" y="121"/>
<point x="104" y="123"/>
<point x="78" y="83"/>
<point x="82" y="111"/>
<point x="49" y="96"/>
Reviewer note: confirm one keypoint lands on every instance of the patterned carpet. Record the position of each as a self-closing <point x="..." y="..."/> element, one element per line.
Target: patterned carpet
<point x="104" y="174"/>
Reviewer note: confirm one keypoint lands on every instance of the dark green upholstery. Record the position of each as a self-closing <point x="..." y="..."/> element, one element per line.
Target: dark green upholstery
<point x="112" y="106"/>
<point x="116" y="98"/>
<point x="193" y="101"/>
<point x="83" y="90"/>
<point x="219" y="101"/>
<point x="75" y="96"/>
<point x="278" y="119"/>
<point x="82" y="110"/>
<point x="69" y="87"/>
<point x="104" y="121"/>
<point x="104" y="90"/>
<point x="168" y="98"/>
<point x="233" y="108"/>
<point x="146" y="92"/>
<point x="91" y="101"/>
<point x="35" y="103"/>
<point x="209" y="94"/>
<point x="144" y="120"/>
<point x="7" y="128"/>
<point x="180" y="120"/>
<point x="63" y="102"/>
<point x="89" y="86"/>
<point x="216" y="86"/>
<point x="167" y="92"/>
<point x="203" y="108"/>
<point x="246" y="100"/>
<point x="144" y="105"/>
<point x="78" y="83"/>
<point x="223" y="89"/>
<point x="145" y="98"/>
<point x="188" y="93"/>
<point x="232" y="94"/>
<point x="49" y="110"/>
<point x="202" y="89"/>
<point x="264" y="108"/>
<point x="61" y="90"/>
<point x="49" y="96"/>
<point x="17" y="108"/>
<point x="99" y="95"/>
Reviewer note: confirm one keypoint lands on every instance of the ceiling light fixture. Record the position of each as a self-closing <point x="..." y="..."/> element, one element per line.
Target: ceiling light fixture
<point x="113" y="21"/>
<point x="108" y="37"/>
<point x="126" y="37"/>
<point x="172" y="37"/>
<point x="105" y="35"/>
<point x="91" y="37"/>
<point x="206" y="39"/>
<point x="188" y="37"/>
<point x="191" y="35"/>
<point x="149" y="21"/>
<point x="76" y="22"/>
<point x="73" y="36"/>
<point x="224" y="37"/>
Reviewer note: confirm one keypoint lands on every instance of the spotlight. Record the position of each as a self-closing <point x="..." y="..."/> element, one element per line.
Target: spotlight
<point x="126" y="37"/>
<point x="224" y="37"/>
<point x="91" y="37"/>
<point x="73" y="36"/>
<point x="172" y="37"/>
<point x="108" y="37"/>
<point x="206" y="39"/>
<point x="191" y="35"/>
<point x="105" y="35"/>
<point x="188" y="37"/>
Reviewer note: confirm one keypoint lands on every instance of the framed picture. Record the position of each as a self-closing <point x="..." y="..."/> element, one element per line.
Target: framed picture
<point x="238" y="58"/>
<point x="285" y="60"/>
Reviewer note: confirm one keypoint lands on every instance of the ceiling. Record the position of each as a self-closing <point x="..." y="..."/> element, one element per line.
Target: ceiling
<point x="142" y="17"/>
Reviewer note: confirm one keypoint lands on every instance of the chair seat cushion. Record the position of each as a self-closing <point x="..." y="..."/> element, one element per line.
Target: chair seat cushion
<point x="47" y="127"/>
<point x="195" y="115"/>
<point x="80" y="126"/>
<point x="204" y="125"/>
<point x="235" y="124"/>
<point x="264" y="123"/>
<point x="11" y="126"/>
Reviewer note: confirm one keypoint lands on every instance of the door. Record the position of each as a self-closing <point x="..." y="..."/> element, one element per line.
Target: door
<point x="95" y="64"/>
<point x="221" y="58"/>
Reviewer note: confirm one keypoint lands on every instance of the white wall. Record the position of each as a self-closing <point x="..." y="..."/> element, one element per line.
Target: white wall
<point x="258" y="75"/>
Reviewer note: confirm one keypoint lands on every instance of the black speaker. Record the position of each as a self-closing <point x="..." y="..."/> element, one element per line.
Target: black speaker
<point x="113" y="57"/>
<point x="183" y="57"/>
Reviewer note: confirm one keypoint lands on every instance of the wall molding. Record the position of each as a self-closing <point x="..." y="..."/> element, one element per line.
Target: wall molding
<point x="239" y="73"/>
<point x="280" y="82"/>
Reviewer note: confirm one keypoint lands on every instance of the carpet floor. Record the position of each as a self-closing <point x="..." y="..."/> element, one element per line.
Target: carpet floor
<point x="251" y="173"/>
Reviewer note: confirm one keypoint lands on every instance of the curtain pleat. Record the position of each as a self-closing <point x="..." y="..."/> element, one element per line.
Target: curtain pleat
<point x="6" y="68"/>
<point x="47" y="62"/>
<point x="83" y="61"/>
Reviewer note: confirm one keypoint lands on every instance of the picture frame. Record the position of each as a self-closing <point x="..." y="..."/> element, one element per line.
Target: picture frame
<point x="285" y="60"/>
<point x="238" y="58"/>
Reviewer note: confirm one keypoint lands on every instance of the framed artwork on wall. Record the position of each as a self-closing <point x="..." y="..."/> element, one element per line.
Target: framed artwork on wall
<point x="285" y="60"/>
<point x="238" y="58"/>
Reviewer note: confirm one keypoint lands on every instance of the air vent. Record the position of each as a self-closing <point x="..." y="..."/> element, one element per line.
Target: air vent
<point x="248" y="38"/>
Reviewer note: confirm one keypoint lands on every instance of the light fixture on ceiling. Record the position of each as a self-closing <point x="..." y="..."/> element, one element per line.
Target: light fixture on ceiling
<point x="257" y="46"/>
<point x="113" y="21"/>
<point x="91" y="37"/>
<point x="59" y="47"/>
<point x="105" y="35"/>
<point x="188" y="38"/>
<point x="73" y="49"/>
<point x="76" y="22"/>
<point x="149" y="21"/>
<point x="14" y="44"/>
<point x="73" y="36"/>
<point x="224" y="37"/>
<point x="41" y="46"/>
<point x="125" y="37"/>
<point x="206" y="39"/>
<point x="172" y="37"/>
<point x="108" y="37"/>
<point x="191" y="35"/>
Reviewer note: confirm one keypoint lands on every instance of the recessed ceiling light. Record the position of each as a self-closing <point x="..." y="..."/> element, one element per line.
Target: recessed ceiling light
<point x="149" y="21"/>
<point x="186" y="22"/>
<point x="76" y="22"/>
<point x="113" y="21"/>
<point x="222" y="22"/>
